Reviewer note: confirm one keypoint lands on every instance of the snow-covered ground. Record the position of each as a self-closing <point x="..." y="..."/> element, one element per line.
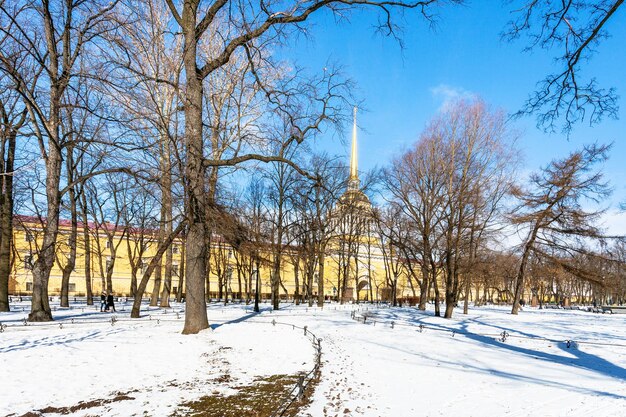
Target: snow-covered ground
<point x="459" y="366"/>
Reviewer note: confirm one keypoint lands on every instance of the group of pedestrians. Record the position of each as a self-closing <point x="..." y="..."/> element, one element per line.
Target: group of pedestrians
<point x="106" y="302"/>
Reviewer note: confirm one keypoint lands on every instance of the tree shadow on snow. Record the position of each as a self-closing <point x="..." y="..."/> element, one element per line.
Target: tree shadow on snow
<point x="581" y="360"/>
<point x="235" y="321"/>
<point x="468" y="367"/>
<point x="58" y="340"/>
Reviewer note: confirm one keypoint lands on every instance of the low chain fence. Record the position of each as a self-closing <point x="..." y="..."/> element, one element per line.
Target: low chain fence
<point x="156" y="315"/>
<point x="371" y="318"/>
<point x="297" y="392"/>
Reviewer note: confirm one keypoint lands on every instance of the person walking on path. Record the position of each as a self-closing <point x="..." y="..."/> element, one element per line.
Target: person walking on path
<point x="110" y="303"/>
<point x="103" y="301"/>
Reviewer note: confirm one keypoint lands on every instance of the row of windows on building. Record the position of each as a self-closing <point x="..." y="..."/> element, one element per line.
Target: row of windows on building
<point x="71" y="287"/>
<point x="29" y="264"/>
<point x="28" y="237"/>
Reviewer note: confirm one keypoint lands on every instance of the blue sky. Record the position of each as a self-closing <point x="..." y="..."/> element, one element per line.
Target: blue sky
<point x="463" y="55"/>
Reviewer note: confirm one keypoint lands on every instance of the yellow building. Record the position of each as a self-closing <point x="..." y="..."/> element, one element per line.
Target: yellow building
<point x="354" y="259"/>
<point x="104" y="239"/>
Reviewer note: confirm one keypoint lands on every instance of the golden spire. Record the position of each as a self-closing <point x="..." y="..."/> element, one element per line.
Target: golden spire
<point x="353" y="181"/>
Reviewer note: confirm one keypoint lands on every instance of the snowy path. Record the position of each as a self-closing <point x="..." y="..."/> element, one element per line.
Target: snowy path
<point x="374" y="370"/>
<point x="368" y="370"/>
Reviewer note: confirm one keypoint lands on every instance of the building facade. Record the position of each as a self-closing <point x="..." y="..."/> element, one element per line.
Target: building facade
<point x="354" y="266"/>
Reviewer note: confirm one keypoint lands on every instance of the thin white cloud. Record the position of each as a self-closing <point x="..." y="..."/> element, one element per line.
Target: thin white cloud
<point x="446" y="95"/>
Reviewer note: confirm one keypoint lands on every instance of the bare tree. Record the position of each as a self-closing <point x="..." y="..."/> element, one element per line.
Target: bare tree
<point x="149" y="269"/>
<point x="53" y="39"/>
<point x="390" y="225"/>
<point x="145" y="58"/>
<point x="255" y="220"/>
<point x="140" y="225"/>
<point x="282" y="180"/>
<point x="551" y="211"/>
<point x="450" y="187"/>
<point x="416" y="181"/>
<point x="314" y="227"/>
<point x="12" y="119"/>
<point x="576" y="28"/>
<point x="80" y="128"/>
<point x="255" y="22"/>
<point x="108" y="207"/>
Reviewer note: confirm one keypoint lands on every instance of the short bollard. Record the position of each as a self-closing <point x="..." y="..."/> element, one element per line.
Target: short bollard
<point x="305" y="330"/>
<point x="273" y="322"/>
<point x="392" y="324"/>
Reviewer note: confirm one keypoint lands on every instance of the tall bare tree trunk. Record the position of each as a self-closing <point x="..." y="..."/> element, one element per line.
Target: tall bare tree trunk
<point x="195" y="312"/>
<point x="166" y="221"/>
<point x="257" y="286"/>
<point x="156" y="260"/>
<point x="40" y="306"/>
<point x="181" y="275"/>
<point x="87" y="244"/>
<point x="468" y="282"/>
<point x="436" y="288"/>
<point x="320" y="277"/>
<point x="154" y="298"/>
<point x="521" y="272"/>
<point x="6" y="218"/>
<point x="296" y="279"/>
<point x="70" y="261"/>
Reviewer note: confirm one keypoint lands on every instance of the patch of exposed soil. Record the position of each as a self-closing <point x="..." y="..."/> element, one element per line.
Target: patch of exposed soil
<point x="83" y="405"/>
<point x="260" y="399"/>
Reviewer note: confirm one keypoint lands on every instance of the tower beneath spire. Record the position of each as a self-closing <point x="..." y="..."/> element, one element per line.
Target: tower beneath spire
<point x="353" y="180"/>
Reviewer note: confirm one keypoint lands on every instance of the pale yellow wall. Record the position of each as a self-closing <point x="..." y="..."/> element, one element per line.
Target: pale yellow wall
<point x="21" y="276"/>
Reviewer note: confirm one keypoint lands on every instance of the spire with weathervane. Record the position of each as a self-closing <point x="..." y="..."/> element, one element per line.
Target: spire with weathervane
<point x="353" y="180"/>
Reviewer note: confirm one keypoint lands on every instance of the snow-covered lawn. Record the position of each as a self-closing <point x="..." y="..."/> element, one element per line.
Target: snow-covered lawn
<point x="459" y="366"/>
